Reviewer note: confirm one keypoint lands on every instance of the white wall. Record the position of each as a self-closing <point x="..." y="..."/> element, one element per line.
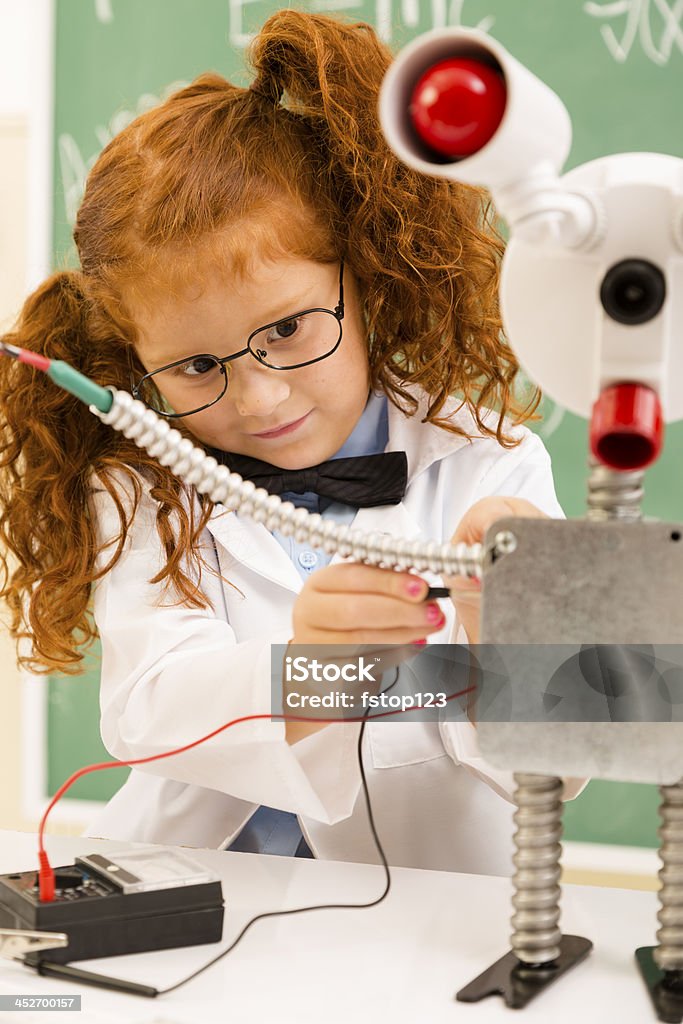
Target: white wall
<point x="13" y="211"/>
<point x="16" y="23"/>
<point x="26" y="73"/>
<point x="26" y="46"/>
<point x="15" y="28"/>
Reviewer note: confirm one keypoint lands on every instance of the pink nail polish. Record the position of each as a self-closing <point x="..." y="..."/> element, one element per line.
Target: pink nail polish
<point x="414" y="587"/>
<point x="434" y="614"/>
<point x="419" y="643"/>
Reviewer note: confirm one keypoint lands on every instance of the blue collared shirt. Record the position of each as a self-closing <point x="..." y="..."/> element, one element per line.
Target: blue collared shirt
<point x="270" y="830"/>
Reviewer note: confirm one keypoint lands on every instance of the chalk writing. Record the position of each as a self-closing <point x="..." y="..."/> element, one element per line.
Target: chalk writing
<point x="387" y="14"/>
<point x="236" y="33"/>
<point x="645" y="19"/>
<point x="103" y="11"/>
<point x="552" y="417"/>
<point x="75" y="167"/>
<point x="455" y="17"/>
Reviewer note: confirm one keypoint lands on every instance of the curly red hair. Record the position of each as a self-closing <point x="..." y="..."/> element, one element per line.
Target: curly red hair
<point x="297" y="164"/>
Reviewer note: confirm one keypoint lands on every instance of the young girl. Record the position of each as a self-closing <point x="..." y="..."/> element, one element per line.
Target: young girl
<point x="258" y="267"/>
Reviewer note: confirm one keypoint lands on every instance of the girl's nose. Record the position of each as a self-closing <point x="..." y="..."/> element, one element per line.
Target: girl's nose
<point x="257" y="390"/>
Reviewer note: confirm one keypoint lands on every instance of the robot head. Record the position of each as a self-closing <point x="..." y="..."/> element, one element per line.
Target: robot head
<point x="592" y="279"/>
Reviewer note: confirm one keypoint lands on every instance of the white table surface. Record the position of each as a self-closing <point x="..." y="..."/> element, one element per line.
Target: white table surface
<point x="400" y="962"/>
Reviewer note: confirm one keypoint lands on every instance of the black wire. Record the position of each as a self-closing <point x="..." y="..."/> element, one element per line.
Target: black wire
<point x="321" y="906"/>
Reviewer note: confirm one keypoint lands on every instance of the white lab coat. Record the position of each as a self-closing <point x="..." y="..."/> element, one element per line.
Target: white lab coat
<point x="172" y="674"/>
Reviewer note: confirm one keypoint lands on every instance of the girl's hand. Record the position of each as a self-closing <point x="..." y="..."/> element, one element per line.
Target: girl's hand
<point x="350" y="605"/>
<point x="466" y="593"/>
<point x="362" y="604"/>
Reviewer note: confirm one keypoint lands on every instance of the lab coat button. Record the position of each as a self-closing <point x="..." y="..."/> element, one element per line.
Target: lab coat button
<point x="308" y="559"/>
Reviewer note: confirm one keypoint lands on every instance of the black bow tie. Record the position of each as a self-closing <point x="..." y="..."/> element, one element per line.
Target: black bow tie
<point x="364" y="481"/>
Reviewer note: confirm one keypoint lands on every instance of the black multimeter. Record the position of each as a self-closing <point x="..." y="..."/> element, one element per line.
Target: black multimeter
<point x="130" y="901"/>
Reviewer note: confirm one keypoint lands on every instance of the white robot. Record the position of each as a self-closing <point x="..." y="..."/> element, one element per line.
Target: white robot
<point x="591" y="297"/>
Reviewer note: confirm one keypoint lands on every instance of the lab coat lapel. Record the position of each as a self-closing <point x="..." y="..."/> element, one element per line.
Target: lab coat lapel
<point x="425" y="443"/>
<point x="252" y="545"/>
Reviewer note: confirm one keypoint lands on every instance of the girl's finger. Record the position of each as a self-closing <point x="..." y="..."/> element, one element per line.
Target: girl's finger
<point x="484" y="513"/>
<point x="354" y="578"/>
<point x="369" y="635"/>
<point x="350" y="612"/>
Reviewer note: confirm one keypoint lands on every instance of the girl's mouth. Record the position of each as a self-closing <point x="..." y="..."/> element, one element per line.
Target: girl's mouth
<point x="286" y="428"/>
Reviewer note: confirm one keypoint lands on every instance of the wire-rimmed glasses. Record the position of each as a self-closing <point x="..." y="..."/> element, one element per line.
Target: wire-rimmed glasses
<point x="195" y="383"/>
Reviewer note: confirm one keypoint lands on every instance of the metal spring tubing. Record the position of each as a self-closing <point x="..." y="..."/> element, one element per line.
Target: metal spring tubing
<point x="192" y="465"/>
<point x="668" y="955"/>
<point x="613" y="495"/>
<point x="536" y="899"/>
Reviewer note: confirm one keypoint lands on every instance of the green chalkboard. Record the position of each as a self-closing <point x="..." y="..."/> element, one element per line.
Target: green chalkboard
<point x="74" y="739"/>
<point x="613" y="813"/>
<point x="617" y="66"/>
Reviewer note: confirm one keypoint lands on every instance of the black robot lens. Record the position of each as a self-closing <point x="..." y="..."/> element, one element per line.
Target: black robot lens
<point x="633" y="291"/>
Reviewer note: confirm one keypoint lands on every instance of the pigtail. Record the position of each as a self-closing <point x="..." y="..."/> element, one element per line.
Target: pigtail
<point x="424" y="251"/>
<point x="50" y="445"/>
<point x="330" y="73"/>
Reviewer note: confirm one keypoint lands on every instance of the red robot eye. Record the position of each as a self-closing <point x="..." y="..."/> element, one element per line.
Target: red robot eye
<point x="457" y="106"/>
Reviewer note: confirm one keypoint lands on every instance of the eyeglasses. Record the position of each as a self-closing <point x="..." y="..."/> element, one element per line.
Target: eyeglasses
<point x="196" y="383"/>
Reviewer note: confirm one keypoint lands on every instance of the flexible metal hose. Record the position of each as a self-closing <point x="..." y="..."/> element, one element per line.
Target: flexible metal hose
<point x="192" y="465"/>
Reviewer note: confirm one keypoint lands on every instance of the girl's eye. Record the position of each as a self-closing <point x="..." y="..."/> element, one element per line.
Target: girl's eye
<point x="284" y="330"/>
<point x="197" y="367"/>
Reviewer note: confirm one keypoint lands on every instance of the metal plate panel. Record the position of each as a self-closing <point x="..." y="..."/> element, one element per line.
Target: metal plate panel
<point x="582" y="582"/>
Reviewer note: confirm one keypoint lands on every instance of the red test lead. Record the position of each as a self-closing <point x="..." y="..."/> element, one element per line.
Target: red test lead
<point x="23" y="355"/>
<point x="46" y="873"/>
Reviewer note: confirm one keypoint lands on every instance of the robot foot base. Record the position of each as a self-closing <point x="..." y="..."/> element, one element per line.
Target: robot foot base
<point x="519" y="982"/>
<point x="665" y="987"/>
